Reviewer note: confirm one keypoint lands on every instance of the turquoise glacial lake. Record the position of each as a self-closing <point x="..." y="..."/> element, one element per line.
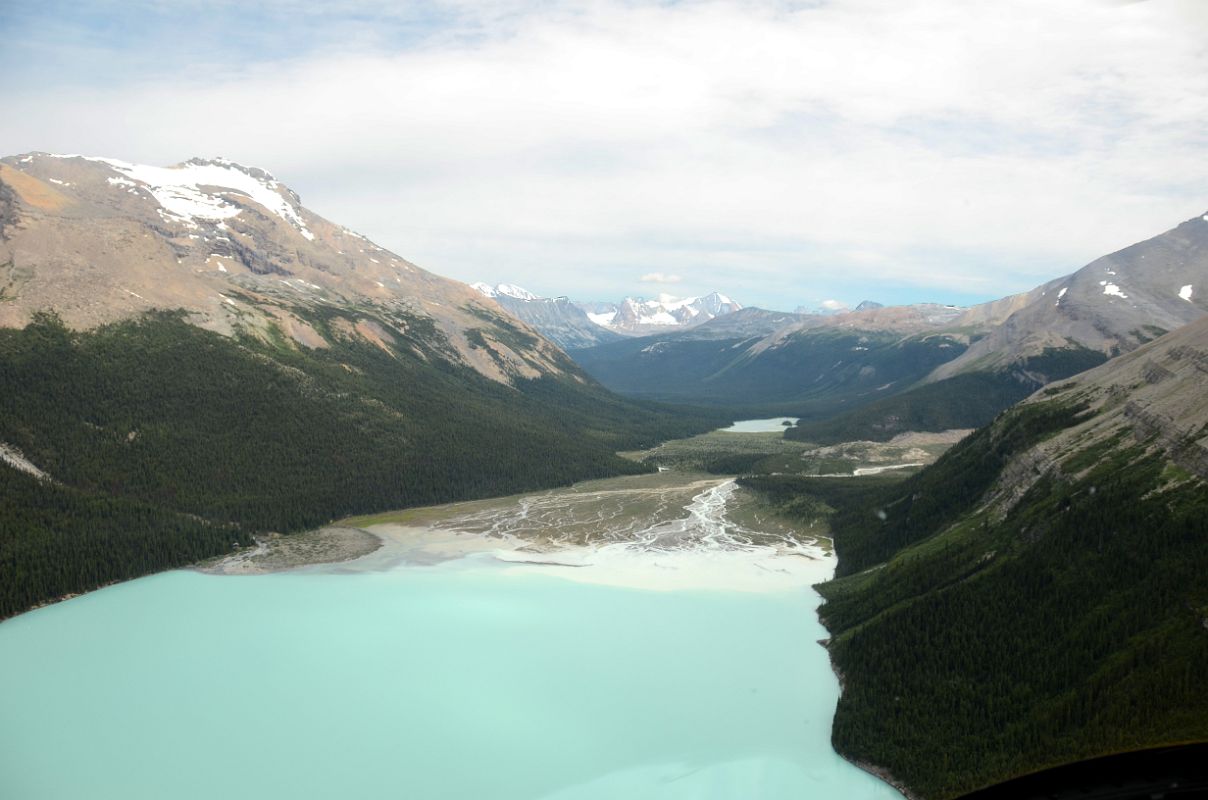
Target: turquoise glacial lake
<point x="491" y="675"/>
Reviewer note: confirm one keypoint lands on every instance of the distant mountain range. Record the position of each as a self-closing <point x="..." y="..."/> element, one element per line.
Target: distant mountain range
<point x="557" y="318"/>
<point x="829" y="307"/>
<point x="581" y="324"/>
<point x="637" y="315"/>
<point x="882" y="370"/>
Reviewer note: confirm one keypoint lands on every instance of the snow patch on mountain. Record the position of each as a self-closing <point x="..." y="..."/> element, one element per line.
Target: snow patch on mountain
<point x="179" y="192"/>
<point x="602" y="319"/>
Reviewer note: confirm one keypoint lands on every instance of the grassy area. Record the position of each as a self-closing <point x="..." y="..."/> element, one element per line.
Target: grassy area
<point x="705" y="452"/>
<point x="753" y="510"/>
<point x="725" y="453"/>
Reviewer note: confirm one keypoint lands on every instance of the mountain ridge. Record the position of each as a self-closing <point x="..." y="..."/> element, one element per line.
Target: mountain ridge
<point x="632" y="316"/>
<point x="99" y="240"/>
<point x="1114" y="304"/>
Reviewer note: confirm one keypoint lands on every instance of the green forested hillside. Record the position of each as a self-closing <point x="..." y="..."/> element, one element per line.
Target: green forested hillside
<point x="999" y="613"/>
<point x="812" y="373"/>
<point x="202" y="436"/>
<point x="968" y="400"/>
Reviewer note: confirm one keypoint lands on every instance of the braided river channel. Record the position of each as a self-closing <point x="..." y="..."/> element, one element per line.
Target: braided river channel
<point x="641" y="637"/>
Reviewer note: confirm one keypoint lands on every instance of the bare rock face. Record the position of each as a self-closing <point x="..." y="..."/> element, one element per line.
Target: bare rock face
<point x="557" y="318"/>
<point x="1113" y="305"/>
<point x="97" y="240"/>
<point x="1152" y="397"/>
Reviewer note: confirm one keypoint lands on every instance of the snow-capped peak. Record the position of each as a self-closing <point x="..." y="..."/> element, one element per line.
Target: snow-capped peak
<point x="632" y="313"/>
<point x="511" y="290"/>
<point x="504" y="290"/>
<point x="636" y="313"/>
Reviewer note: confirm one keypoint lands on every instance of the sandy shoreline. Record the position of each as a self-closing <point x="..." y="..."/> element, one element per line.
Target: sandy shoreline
<point x="277" y="553"/>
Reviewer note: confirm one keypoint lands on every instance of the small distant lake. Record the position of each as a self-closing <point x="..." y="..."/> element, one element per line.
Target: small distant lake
<point x="761" y="425"/>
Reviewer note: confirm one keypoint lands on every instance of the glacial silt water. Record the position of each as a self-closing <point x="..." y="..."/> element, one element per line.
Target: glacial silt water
<point x="773" y="425"/>
<point x="469" y="679"/>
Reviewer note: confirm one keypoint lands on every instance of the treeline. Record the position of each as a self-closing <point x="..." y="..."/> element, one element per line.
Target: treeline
<point x="249" y="437"/>
<point x="986" y="646"/>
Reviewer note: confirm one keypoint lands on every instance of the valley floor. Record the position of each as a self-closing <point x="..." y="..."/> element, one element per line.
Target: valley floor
<point x="646" y="511"/>
<point x="667" y="516"/>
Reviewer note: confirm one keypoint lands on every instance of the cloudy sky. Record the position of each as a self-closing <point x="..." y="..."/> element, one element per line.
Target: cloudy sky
<point x="785" y="153"/>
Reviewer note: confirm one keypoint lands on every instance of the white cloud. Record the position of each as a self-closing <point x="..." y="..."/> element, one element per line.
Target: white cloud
<point x="659" y="277"/>
<point x="764" y="149"/>
<point x="833" y="305"/>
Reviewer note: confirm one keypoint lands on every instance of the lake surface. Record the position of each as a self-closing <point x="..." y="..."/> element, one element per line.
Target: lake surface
<point x="761" y="425"/>
<point x="644" y="648"/>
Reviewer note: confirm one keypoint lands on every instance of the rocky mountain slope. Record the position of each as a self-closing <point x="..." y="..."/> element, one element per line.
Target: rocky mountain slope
<point x="1112" y="305"/>
<point x="98" y="240"/>
<point x="1035" y="597"/>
